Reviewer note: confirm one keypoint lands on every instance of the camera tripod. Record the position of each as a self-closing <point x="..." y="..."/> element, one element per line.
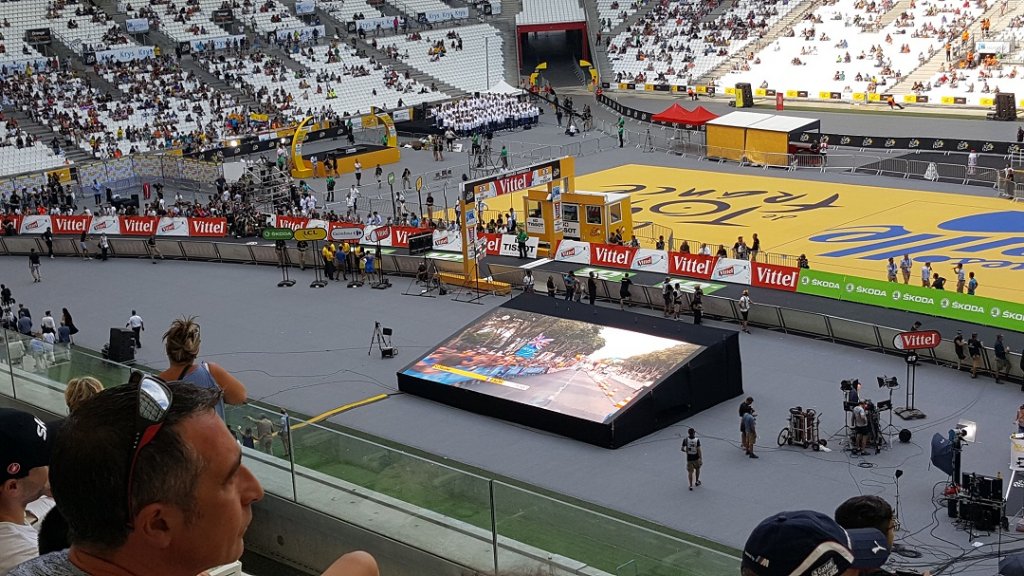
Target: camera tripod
<point x="427" y="286"/>
<point x="382" y="338"/>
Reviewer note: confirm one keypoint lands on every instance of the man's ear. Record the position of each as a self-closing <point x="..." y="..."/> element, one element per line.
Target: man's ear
<point x="158" y="523"/>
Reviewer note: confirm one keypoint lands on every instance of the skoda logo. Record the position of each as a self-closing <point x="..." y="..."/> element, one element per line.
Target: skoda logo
<point x="805" y="280"/>
<point x="995" y="312"/>
<point x="895" y="294"/>
<point x="849" y="287"/>
<point x="944" y="303"/>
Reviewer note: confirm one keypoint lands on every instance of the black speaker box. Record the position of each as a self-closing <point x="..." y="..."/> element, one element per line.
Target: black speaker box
<point x="744" y="95"/>
<point x="121" y="347"/>
<point x="1006" y="107"/>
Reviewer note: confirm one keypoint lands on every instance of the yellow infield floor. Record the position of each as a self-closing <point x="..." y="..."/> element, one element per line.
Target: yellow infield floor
<point x="840" y="227"/>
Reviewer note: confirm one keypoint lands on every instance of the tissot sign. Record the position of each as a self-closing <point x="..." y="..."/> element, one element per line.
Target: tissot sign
<point x="920" y="340"/>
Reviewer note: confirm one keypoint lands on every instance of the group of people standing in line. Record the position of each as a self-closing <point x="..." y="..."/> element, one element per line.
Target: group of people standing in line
<point x="929" y="277"/>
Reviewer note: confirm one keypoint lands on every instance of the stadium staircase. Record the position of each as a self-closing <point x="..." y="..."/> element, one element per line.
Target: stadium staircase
<point x="926" y="71"/>
<point x="45" y="135"/>
<point x="379" y="55"/>
<point x="505" y="23"/>
<point x="790" y="20"/>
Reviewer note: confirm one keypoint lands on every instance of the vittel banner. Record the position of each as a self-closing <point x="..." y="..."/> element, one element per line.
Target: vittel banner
<point x="691" y="265"/>
<point x="139" y="225"/>
<point x="612" y="255"/>
<point x="109" y="225"/>
<point x="647" y="260"/>
<point x="573" y="251"/>
<point x="774" y="276"/>
<point x="732" y="270"/>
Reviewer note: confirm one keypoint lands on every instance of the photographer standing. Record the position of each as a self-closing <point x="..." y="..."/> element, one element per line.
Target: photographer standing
<point x="861" y="427"/>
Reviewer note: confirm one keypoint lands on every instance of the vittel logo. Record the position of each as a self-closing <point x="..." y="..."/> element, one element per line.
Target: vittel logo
<point x="692" y="266"/>
<point x="568" y="253"/>
<point x="612" y="256"/>
<point x="441" y="241"/>
<point x="138" y="226"/>
<point x="207" y="227"/>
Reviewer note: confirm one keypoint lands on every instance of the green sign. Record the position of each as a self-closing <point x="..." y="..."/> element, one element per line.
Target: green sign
<point x="391" y="177"/>
<point x="449" y="256"/>
<point x="917" y="299"/>
<point x="278" y="234"/>
<point x="824" y="284"/>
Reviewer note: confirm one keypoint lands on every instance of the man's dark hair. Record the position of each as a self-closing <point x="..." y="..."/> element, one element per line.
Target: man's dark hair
<point x="93" y="452"/>
<point x="864" y="512"/>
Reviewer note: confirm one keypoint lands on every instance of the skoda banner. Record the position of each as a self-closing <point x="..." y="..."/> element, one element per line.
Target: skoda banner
<point x="941" y="303"/>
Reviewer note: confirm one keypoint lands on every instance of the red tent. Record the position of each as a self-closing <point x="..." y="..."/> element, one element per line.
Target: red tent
<point x="676" y="114"/>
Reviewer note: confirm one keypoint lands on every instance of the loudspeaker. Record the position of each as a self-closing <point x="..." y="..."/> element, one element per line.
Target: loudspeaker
<point x="904" y="436"/>
<point x="420" y="243"/>
<point x="387" y="352"/>
<point x="1006" y="108"/>
<point x="744" y="95"/>
<point x="121" y="347"/>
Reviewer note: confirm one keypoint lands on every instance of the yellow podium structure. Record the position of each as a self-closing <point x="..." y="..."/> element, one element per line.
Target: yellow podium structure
<point x="761" y="139"/>
<point x="586" y="216"/>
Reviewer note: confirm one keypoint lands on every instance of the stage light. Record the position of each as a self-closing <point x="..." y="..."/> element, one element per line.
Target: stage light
<point x="967" y="430"/>
<point x="899" y="472"/>
<point x="884" y="405"/>
<point x="387" y="331"/>
<point x="233" y="143"/>
<point x="888" y="382"/>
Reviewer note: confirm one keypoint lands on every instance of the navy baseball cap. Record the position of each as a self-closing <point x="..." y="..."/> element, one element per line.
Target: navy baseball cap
<point x="808" y="543"/>
<point x="1012" y="565"/>
<point x="24" y="444"/>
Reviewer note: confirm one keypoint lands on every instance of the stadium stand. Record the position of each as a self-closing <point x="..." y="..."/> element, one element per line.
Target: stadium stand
<point x="270" y="17"/>
<point x="19" y="16"/>
<point x="612" y="12"/>
<point x="856" y="46"/>
<point x="550" y="11"/>
<point x="333" y="77"/>
<point x="438" y="53"/>
<point x="349" y="10"/>
<point x="17" y="155"/>
<point x="677" y="41"/>
<point x="79" y="25"/>
<point x="183" y="24"/>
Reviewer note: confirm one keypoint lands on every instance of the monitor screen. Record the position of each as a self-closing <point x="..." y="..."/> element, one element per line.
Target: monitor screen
<point x="574" y="368"/>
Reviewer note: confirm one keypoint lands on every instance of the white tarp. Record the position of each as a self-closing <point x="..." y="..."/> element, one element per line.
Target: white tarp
<point x="504" y="88"/>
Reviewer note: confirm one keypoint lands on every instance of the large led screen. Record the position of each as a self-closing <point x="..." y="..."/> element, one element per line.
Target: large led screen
<point x="570" y="367"/>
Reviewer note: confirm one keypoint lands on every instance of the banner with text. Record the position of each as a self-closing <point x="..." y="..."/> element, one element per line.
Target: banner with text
<point x="908" y="298"/>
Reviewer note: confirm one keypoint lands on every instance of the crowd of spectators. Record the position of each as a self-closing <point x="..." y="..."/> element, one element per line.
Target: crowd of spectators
<point x="677" y="42"/>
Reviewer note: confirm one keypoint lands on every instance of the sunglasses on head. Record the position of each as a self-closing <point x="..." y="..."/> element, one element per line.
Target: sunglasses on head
<point x="154" y="402"/>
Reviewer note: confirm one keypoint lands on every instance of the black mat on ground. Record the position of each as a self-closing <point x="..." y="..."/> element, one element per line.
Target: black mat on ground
<point x="599" y="375"/>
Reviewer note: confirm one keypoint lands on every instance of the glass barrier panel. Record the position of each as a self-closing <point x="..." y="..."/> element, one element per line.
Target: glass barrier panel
<point x="263" y="445"/>
<point x="855" y="332"/>
<point x="394" y="493"/>
<point x="535" y="525"/>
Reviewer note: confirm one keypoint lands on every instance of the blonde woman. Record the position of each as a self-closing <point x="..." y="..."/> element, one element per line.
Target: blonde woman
<point x="181" y="341"/>
<point x="79" y="390"/>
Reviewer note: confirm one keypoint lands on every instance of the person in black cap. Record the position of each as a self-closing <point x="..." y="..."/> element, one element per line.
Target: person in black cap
<point x="24" y="470"/>
<point x="1012" y="565"/>
<point x="808" y="543"/>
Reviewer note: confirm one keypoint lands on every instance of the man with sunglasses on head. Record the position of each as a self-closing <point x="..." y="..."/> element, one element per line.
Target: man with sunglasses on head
<point x="24" y="455"/>
<point x="151" y="482"/>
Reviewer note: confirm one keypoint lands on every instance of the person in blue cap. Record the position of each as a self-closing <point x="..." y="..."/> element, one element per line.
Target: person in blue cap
<point x="808" y="543"/>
